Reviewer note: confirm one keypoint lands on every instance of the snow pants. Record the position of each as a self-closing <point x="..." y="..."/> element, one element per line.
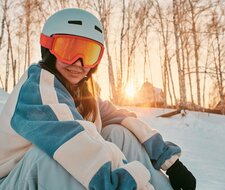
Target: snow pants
<point x="37" y="171"/>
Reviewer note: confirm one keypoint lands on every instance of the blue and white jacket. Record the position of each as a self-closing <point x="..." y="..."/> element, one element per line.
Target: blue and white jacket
<point x="41" y="112"/>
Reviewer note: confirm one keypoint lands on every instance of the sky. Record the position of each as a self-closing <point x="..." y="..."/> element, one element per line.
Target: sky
<point x="200" y="135"/>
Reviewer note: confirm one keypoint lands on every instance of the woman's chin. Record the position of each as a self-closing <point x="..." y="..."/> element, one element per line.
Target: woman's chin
<point x="74" y="82"/>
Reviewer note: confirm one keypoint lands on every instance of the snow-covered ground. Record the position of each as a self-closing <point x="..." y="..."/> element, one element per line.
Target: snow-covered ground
<point x="202" y="139"/>
<point x="200" y="135"/>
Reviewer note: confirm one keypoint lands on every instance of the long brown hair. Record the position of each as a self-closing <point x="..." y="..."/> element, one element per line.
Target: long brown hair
<point x="84" y="94"/>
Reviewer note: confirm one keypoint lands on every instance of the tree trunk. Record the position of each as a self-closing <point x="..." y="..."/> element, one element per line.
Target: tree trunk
<point x="122" y="35"/>
<point x="28" y="23"/>
<point x="177" y="46"/>
<point x="196" y="53"/>
<point x="4" y="8"/>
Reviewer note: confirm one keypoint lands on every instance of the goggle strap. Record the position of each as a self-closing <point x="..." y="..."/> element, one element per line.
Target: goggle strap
<point x="46" y="41"/>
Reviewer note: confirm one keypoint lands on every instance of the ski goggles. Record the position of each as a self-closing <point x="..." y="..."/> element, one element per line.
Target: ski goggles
<point x="69" y="48"/>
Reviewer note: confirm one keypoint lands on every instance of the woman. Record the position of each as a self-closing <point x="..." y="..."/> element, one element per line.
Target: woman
<point x="56" y="133"/>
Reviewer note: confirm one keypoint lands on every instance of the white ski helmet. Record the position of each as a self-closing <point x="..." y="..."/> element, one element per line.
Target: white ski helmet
<point x="74" y="21"/>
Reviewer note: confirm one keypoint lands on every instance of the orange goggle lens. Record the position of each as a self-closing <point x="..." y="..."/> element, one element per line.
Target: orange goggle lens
<point x="68" y="49"/>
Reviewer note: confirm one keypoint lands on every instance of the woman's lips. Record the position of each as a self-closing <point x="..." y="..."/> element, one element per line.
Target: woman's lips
<point x="75" y="71"/>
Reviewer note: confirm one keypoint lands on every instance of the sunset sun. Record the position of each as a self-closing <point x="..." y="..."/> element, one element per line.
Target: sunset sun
<point x="130" y="92"/>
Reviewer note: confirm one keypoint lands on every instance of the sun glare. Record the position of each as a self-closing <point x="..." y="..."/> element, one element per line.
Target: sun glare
<point x="130" y="91"/>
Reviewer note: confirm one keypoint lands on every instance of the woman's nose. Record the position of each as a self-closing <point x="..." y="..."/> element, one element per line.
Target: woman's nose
<point x="78" y="62"/>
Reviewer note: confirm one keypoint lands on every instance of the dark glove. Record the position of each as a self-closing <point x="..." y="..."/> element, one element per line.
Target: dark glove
<point x="180" y="177"/>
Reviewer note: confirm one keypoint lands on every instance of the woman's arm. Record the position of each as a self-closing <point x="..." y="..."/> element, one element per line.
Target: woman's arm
<point x="162" y="154"/>
<point x="112" y="115"/>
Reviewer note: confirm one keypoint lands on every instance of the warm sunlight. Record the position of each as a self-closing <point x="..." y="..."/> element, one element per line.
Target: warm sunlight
<point x="130" y="92"/>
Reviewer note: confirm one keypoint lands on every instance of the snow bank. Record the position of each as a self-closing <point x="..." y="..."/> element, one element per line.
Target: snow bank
<point x="201" y="137"/>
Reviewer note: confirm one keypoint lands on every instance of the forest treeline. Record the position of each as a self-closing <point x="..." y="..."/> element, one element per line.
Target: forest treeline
<point x="189" y="34"/>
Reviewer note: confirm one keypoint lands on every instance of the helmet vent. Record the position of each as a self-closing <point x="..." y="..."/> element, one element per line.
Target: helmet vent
<point x="78" y="22"/>
<point x="98" y="29"/>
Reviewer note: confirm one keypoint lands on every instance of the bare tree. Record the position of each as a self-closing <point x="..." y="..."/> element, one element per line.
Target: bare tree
<point x="136" y="28"/>
<point x="4" y="8"/>
<point x="11" y="59"/>
<point x="176" y="22"/>
<point x="123" y="32"/>
<point x="27" y="8"/>
<point x="19" y="35"/>
<point x="196" y="49"/>
<point x="163" y="20"/>
<point x="104" y="9"/>
<point x="205" y="73"/>
<point x="215" y="28"/>
<point x="187" y="50"/>
<point x="4" y="11"/>
<point x="8" y="57"/>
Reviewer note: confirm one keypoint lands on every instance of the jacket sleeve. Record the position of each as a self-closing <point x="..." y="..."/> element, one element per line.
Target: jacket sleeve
<point x="45" y="115"/>
<point x="112" y="115"/>
<point x="163" y="154"/>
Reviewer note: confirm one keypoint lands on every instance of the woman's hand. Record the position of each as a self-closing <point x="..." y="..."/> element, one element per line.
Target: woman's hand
<point x="180" y="177"/>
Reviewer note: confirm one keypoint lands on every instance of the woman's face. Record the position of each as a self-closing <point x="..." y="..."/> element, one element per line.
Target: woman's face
<point x="74" y="73"/>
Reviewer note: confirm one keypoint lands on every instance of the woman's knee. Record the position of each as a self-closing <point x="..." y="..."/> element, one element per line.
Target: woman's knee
<point x="120" y="136"/>
<point x="34" y="156"/>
